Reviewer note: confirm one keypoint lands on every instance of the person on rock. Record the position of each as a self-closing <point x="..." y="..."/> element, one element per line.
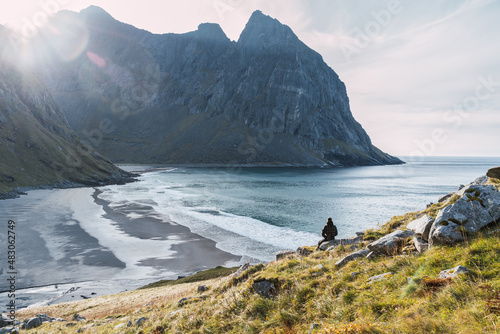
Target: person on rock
<point x="329" y="232"/>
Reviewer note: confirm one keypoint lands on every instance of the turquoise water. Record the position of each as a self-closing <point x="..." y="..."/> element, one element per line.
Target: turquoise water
<point x="301" y="199"/>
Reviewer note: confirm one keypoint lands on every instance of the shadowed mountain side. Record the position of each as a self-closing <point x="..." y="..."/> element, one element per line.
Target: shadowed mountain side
<point x="199" y="98"/>
<point x="37" y="146"/>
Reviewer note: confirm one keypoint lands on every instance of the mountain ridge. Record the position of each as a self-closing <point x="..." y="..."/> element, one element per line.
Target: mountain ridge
<point x="199" y="98"/>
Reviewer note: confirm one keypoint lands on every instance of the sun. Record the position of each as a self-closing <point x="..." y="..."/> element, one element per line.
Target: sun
<point x="45" y="32"/>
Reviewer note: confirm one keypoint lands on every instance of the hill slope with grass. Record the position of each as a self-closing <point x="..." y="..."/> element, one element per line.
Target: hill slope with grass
<point x="310" y="294"/>
<point x="37" y="146"/>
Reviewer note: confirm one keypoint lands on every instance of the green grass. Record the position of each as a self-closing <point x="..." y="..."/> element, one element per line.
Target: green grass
<point x="198" y="277"/>
<point x="334" y="298"/>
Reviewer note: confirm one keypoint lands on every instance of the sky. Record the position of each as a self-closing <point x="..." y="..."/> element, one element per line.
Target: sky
<point x="423" y="77"/>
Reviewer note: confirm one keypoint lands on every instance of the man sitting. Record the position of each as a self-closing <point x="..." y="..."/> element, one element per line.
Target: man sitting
<point x="329" y="232"/>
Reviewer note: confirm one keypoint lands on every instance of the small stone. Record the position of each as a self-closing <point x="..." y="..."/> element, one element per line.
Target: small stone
<point x="33" y="323"/>
<point x="352" y="257"/>
<point x="175" y="312"/>
<point x="141" y="321"/>
<point x="458" y="270"/>
<point x="241" y="269"/>
<point x="129" y="323"/>
<point x="445" y="197"/>
<point x="6" y="321"/>
<point x="412" y="280"/>
<point x="304" y="251"/>
<point x="379" y="277"/>
<point x="45" y="317"/>
<point x="119" y="326"/>
<point x="313" y="327"/>
<point x="183" y="301"/>
<point x="78" y="317"/>
<point x="420" y="244"/>
<point x="284" y="254"/>
<point x="354" y="274"/>
<point x="264" y="288"/>
<point x="202" y="288"/>
<point x="319" y="267"/>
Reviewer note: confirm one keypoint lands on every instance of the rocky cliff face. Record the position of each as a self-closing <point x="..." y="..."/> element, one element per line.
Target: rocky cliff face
<point x="199" y="98"/>
<point x="37" y="147"/>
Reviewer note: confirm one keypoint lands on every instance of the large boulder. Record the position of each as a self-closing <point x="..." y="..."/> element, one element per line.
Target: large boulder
<point x="494" y="172"/>
<point x="421" y="226"/>
<point x="390" y="243"/>
<point x="478" y="207"/>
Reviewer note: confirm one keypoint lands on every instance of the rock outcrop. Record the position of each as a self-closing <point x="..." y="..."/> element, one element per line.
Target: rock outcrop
<point x="478" y="206"/>
<point x="200" y="98"/>
<point x="494" y="173"/>
<point x="37" y="146"/>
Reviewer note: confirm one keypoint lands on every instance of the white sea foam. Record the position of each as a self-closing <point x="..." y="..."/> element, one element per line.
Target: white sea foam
<point x="235" y="234"/>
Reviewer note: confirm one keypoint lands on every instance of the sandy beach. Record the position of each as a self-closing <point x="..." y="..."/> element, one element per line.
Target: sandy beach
<point x="74" y="245"/>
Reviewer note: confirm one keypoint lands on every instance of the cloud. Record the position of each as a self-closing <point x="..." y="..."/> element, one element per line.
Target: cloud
<point x="430" y="58"/>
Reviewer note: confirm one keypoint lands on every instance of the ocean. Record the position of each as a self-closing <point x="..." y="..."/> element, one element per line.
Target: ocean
<point x="78" y="243"/>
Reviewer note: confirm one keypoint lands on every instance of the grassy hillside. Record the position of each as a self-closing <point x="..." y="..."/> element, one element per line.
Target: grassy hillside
<point x="311" y="290"/>
<point x="37" y="147"/>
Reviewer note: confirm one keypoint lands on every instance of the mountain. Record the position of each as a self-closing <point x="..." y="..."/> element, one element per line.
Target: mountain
<point x="37" y="146"/>
<point x="200" y="98"/>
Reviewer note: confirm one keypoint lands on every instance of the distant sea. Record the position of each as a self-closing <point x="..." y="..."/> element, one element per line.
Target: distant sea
<point x="66" y="236"/>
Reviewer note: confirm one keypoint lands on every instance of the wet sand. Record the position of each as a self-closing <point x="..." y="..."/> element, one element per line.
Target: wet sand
<point x="192" y="254"/>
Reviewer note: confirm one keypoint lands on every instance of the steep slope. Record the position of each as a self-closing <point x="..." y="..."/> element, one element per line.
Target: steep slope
<point x="37" y="146"/>
<point x="199" y="98"/>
